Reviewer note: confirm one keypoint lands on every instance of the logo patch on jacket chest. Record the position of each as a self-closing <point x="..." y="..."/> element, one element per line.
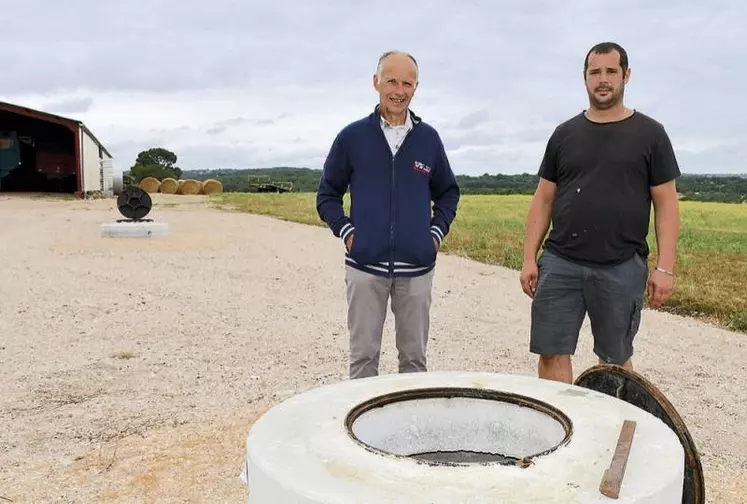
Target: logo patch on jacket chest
<point x="422" y="168"/>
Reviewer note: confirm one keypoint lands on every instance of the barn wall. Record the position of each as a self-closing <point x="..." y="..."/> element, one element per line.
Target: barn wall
<point x="55" y="163"/>
<point x="91" y="161"/>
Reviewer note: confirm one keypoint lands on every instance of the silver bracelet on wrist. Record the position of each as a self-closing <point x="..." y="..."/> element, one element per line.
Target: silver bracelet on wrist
<point x="666" y="272"/>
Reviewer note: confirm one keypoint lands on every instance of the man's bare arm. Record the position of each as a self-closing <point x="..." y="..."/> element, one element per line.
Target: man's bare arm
<point x="667" y="223"/>
<point x="538" y="218"/>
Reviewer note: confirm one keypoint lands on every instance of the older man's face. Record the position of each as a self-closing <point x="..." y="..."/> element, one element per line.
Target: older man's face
<point x="397" y="85"/>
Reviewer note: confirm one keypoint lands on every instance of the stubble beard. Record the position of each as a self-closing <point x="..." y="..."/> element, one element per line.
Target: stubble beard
<point x="613" y="99"/>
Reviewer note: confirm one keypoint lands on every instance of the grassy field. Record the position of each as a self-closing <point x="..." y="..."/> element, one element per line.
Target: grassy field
<point x="711" y="282"/>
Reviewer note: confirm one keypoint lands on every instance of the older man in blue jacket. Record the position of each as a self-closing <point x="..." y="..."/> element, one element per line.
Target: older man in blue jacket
<point x="394" y="165"/>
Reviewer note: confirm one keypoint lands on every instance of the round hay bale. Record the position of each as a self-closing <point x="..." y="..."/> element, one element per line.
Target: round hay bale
<point x="150" y="184"/>
<point x="191" y="186"/>
<point x="212" y="186"/>
<point x="169" y="186"/>
<point x="181" y="185"/>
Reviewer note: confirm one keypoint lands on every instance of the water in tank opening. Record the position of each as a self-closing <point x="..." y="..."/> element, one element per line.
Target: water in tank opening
<point x="459" y="426"/>
<point x="466" y="457"/>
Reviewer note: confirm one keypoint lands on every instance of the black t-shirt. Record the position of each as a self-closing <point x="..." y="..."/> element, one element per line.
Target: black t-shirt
<point x="603" y="173"/>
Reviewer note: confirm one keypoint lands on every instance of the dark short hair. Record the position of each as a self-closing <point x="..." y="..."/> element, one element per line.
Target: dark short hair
<point x="605" y="48"/>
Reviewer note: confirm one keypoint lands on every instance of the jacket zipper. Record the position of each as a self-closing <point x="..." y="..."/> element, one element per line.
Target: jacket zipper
<point x="392" y="205"/>
<point x="392" y="208"/>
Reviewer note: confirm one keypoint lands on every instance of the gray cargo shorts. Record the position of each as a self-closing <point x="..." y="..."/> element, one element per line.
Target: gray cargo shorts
<point x="566" y="292"/>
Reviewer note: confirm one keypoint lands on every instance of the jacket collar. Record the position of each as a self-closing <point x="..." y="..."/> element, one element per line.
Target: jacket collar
<point x="375" y="116"/>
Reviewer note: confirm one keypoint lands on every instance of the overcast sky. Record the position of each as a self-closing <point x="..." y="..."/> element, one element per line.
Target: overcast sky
<point x="247" y="84"/>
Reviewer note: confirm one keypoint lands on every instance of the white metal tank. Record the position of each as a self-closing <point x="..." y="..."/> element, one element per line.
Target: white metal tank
<point x="117" y="181"/>
<point x="107" y="177"/>
<point x="456" y="437"/>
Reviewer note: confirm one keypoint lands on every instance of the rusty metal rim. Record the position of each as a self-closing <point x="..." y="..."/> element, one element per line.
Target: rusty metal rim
<point x="460" y="392"/>
<point x="692" y="458"/>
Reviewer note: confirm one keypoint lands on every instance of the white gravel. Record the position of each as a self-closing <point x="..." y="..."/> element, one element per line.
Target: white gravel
<point x="132" y="369"/>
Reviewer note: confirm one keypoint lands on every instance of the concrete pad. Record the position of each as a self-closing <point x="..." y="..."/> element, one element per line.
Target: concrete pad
<point x="134" y="229"/>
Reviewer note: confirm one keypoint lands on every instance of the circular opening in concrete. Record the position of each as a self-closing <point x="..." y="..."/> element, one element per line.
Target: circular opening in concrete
<point x="456" y="426"/>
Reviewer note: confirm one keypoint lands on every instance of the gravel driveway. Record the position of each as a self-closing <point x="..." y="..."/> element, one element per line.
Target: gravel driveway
<point x="132" y="370"/>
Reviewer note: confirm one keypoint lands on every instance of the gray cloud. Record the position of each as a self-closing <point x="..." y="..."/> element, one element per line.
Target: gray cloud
<point x="234" y="121"/>
<point x="720" y="159"/>
<point x="246" y="79"/>
<point x="495" y="137"/>
<point x="76" y="106"/>
<point x="474" y="119"/>
<point x="222" y="126"/>
<point x="225" y="157"/>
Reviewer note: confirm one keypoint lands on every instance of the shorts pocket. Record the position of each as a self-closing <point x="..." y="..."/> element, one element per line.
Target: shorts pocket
<point x="635" y="318"/>
<point x="640" y="261"/>
<point x="541" y="259"/>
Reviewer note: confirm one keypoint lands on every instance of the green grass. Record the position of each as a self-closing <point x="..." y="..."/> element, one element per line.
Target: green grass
<point x="52" y="196"/>
<point x="711" y="282"/>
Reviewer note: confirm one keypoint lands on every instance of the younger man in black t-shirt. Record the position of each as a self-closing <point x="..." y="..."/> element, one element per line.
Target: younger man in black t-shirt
<point x="600" y="172"/>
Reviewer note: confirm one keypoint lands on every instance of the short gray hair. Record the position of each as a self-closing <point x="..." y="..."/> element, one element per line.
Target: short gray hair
<point x="380" y="65"/>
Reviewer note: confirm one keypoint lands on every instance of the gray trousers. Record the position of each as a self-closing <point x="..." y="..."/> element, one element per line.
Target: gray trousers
<point x="368" y="296"/>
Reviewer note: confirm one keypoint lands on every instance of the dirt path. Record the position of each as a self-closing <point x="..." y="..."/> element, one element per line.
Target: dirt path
<point x="132" y="371"/>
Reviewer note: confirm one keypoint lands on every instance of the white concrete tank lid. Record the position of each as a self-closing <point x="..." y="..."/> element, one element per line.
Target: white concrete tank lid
<point x="511" y="439"/>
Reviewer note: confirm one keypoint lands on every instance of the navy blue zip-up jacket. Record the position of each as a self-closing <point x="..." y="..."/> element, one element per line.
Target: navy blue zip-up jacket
<point x="390" y="196"/>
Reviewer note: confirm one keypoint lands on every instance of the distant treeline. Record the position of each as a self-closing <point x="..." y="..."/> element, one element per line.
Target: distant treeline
<point x="718" y="188"/>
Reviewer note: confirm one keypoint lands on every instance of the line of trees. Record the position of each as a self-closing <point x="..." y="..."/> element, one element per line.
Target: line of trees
<point x="160" y="163"/>
<point x="727" y="189"/>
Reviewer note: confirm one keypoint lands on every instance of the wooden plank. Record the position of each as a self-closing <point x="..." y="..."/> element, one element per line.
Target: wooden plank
<point x="612" y="479"/>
